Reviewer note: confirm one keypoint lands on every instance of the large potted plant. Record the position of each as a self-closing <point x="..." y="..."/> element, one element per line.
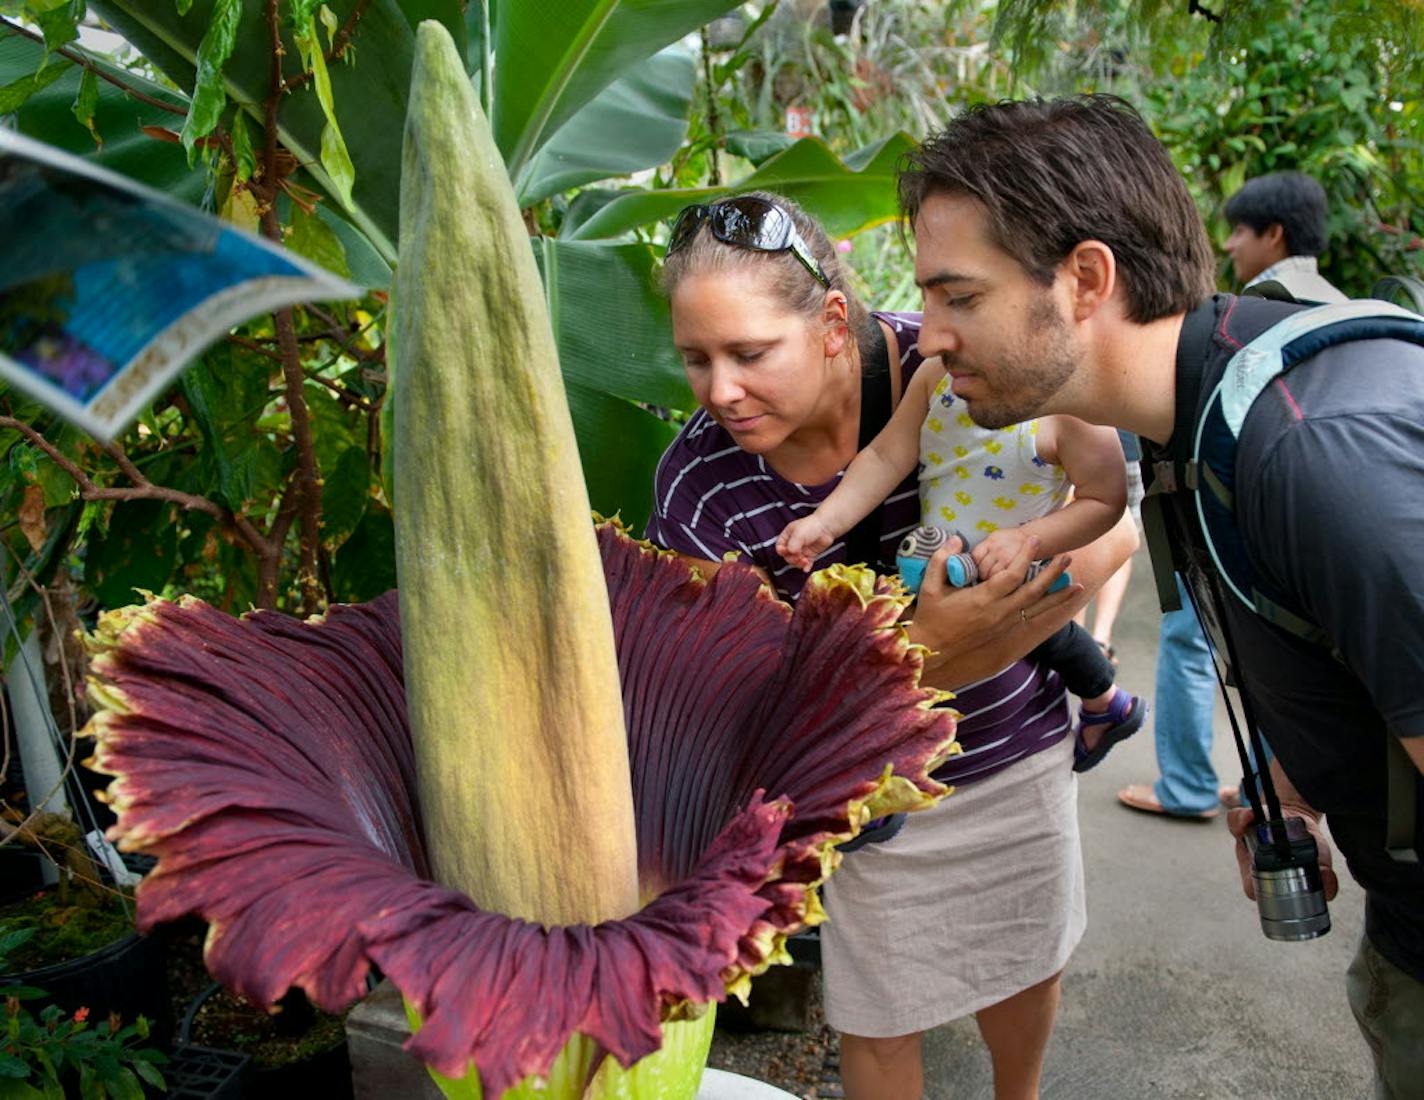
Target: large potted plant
<point x="79" y="942"/>
<point x="79" y="984"/>
<point x="563" y="790"/>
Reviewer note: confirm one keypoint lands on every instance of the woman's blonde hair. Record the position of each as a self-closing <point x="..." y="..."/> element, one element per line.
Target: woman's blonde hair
<point x="794" y="286"/>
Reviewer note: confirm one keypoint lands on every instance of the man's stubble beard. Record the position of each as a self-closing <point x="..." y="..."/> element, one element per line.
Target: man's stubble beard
<point x="1025" y="377"/>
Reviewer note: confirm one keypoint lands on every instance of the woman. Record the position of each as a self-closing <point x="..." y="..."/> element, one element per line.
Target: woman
<point x="974" y="906"/>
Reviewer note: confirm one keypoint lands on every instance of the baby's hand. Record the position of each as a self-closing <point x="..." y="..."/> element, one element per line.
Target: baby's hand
<point x="800" y="542"/>
<point x="997" y="549"/>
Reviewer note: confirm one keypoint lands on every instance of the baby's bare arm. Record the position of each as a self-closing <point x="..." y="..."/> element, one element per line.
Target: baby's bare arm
<point x="1092" y="459"/>
<point x="885" y="462"/>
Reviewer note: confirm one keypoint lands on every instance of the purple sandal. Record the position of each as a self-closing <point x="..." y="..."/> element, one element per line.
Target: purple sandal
<point x="1124" y="717"/>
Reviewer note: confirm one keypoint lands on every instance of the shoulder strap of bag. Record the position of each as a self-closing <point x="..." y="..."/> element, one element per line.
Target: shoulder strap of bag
<point x="862" y="541"/>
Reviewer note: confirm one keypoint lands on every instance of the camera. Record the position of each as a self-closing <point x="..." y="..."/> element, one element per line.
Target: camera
<point x="1290" y="896"/>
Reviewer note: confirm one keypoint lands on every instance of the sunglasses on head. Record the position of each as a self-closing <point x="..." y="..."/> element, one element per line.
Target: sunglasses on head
<point x="746" y="222"/>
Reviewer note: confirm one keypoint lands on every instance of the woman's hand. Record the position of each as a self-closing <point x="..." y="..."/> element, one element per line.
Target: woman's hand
<point x="974" y="632"/>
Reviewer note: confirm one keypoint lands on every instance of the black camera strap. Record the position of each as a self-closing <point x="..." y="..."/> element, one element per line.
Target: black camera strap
<point x="1256" y="782"/>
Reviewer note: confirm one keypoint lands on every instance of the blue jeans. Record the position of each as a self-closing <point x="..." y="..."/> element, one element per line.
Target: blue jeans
<point x="1185" y="697"/>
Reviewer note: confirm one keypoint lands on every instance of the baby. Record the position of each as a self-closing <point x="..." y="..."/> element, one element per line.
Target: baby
<point x="1000" y="488"/>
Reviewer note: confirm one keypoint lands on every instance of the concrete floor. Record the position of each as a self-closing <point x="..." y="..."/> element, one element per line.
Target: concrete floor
<point x="1174" y="993"/>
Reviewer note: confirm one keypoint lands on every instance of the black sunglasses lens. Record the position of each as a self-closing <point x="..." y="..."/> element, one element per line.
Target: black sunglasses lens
<point x="685" y="228"/>
<point x="751" y="223"/>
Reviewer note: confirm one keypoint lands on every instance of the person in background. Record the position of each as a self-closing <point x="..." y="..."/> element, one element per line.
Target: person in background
<point x="1277" y="231"/>
<point x="1108" y="602"/>
<point x="976" y="904"/>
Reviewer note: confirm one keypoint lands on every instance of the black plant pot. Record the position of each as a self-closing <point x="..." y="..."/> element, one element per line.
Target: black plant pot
<point x="324" y="1073"/>
<point x="129" y="977"/>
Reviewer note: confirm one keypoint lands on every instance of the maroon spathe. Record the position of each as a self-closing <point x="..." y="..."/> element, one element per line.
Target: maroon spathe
<point x="268" y="764"/>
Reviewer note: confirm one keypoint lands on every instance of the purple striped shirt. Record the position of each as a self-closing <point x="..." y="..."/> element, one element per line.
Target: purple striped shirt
<point x="711" y="497"/>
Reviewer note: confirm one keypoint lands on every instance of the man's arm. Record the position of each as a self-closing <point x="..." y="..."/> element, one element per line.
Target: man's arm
<point x="974" y="632"/>
<point x="1414" y="746"/>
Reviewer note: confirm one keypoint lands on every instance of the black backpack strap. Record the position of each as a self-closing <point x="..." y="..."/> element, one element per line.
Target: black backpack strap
<point x="1401" y="803"/>
<point x="862" y="542"/>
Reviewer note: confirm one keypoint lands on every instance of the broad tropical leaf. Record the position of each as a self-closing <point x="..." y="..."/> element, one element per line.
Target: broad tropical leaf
<point x="268" y="764"/>
<point x="847" y="196"/>
<point x="637" y="122"/>
<point x="613" y="363"/>
<point x="567" y="51"/>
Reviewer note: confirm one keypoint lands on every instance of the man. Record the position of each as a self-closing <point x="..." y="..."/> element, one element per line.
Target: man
<point x="1065" y="270"/>
<point x="1277" y="231"/>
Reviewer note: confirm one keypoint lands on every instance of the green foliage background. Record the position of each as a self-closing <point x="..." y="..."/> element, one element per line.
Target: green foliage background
<point x="604" y="142"/>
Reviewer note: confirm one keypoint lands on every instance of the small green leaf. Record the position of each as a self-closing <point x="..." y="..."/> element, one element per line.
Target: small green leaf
<point x="124" y="1085"/>
<point x="245" y="160"/>
<point x="10" y="1066"/>
<point x="335" y="157"/>
<point x="15" y="93"/>
<point x="145" y="1070"/>
<point x="313" y="238"/>
<point x="209" y="96"/>
<point x="183" y="6"/>
<point x="59" y="24"/>
<point x="331" y="23"/>
<point x="86" y="102"/>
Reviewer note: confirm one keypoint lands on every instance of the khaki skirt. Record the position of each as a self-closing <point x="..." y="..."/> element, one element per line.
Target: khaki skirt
<point x="974" y="901"/>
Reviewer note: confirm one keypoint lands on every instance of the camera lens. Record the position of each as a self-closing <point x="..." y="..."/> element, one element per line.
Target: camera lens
<point x="1290" y="905"/>
<point x="1290" y="895"/>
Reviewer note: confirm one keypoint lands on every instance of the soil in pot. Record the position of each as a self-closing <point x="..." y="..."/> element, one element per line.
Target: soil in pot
<point x="296" y="1052"/>
<point x="89" y="958"/>
<point x="62" y="931"/>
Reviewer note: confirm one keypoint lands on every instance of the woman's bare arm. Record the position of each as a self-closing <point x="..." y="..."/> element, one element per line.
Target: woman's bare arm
<point x="974" y="632"/>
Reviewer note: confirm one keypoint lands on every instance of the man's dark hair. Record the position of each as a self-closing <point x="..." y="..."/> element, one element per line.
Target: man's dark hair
<point x="1053" y="173"/>
<point x="1291" y="199"/>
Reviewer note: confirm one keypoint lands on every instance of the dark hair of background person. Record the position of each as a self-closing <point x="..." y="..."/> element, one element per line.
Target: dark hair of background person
<point x="789" y="281"/>
<point x="1053" y="173"/>
<point x="1293" y="200"/>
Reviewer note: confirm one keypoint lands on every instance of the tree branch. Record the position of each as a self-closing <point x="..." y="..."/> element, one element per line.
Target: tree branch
<point x="262" y="547"/>
<point x="85" y="63"/>
<point x="307" y="478"/>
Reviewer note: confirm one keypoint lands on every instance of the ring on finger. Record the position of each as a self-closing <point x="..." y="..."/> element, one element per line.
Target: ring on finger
<point x="1023" y="616"/>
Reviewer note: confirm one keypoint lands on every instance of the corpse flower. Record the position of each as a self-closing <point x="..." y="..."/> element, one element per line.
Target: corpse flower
<point x="562" y="790"/>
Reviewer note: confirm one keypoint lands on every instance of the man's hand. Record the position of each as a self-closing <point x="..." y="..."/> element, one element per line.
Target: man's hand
<point x="997" y="549"/>
<point x="803" y="540"/>
<point x="1243" y="818"/>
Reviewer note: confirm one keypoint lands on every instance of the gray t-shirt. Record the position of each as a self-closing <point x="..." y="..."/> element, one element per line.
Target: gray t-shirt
<point x="1330" y="502"/>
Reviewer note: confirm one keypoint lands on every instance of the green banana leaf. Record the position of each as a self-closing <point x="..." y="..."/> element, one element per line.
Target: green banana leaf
<point x="118" y="118"/>
<point x="619" y="447"/>
<point x="637" y="122"/>
<point x="615" y="349"/>
<point x="847" y="196"/>
<point x="559" y="54"/>
<point x="612" y="324"/>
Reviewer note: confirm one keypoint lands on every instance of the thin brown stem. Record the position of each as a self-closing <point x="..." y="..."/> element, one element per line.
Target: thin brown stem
<point x="338" y="43"/>
<point x="85" y="63"/>
<point x="307" y="478"/>
<point x="264" y="548"/>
